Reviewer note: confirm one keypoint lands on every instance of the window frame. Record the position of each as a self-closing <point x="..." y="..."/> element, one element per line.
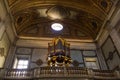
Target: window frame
<point x="22" y="65"/>
<point x="21" y="57"/>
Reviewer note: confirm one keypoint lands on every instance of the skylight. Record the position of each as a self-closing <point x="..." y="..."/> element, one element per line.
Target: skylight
<point x="57" y="26"/>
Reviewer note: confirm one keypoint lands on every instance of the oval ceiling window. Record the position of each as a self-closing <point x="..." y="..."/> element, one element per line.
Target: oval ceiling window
<point x="57" y="26"/>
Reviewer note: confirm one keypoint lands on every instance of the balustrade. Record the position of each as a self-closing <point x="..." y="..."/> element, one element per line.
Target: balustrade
<point x="18" y="73"/>
<point x="108" y="74"/>
<point x="58" y="72"/>
<point x="77" y="71"/>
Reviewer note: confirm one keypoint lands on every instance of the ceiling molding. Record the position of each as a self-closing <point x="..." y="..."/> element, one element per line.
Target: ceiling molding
<point x="84" y="19"/>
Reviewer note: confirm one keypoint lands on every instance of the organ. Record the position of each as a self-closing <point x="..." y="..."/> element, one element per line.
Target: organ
<point x="59" y="53"/>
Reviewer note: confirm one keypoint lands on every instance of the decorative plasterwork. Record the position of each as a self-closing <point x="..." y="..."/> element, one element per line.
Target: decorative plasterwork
<point x="105" y="5"/>
<point x="82" y="19"/>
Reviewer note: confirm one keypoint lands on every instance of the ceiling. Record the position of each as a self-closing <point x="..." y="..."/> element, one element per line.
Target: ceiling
<point x="82" y="19"/>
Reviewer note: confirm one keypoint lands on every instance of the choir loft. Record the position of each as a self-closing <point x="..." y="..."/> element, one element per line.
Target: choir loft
<point x="59" y="39"/>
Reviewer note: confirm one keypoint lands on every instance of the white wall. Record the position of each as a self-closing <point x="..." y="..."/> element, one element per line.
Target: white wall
<point x="6" y="33"/>
<point x="109" y="41"/>
<point x="43" y="43"/>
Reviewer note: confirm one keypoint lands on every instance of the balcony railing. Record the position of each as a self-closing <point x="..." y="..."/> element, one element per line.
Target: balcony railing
<point x="57" y="73"/>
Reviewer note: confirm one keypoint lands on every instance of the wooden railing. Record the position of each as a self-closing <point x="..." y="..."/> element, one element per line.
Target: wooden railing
<point x="58" y="72"/>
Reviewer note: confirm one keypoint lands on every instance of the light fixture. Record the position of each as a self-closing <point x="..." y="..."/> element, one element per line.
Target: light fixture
<point x="57" y="26"/>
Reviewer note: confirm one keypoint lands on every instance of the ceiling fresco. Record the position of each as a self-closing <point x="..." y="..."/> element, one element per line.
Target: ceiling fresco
<point x="81" y="19"/>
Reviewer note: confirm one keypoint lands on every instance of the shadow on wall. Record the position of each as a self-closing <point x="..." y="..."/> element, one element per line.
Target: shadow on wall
<point x="1" y="51"/>
<point x="2" y="58"/>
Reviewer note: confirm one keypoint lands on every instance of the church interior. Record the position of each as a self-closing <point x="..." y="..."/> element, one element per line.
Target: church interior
<point x="59" y="39"/>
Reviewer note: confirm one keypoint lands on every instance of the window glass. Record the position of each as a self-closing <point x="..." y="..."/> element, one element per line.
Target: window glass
<point x="22" y="64"/>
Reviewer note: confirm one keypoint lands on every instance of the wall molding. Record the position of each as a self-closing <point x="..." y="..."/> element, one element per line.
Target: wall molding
<point x="115" y="51"/>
